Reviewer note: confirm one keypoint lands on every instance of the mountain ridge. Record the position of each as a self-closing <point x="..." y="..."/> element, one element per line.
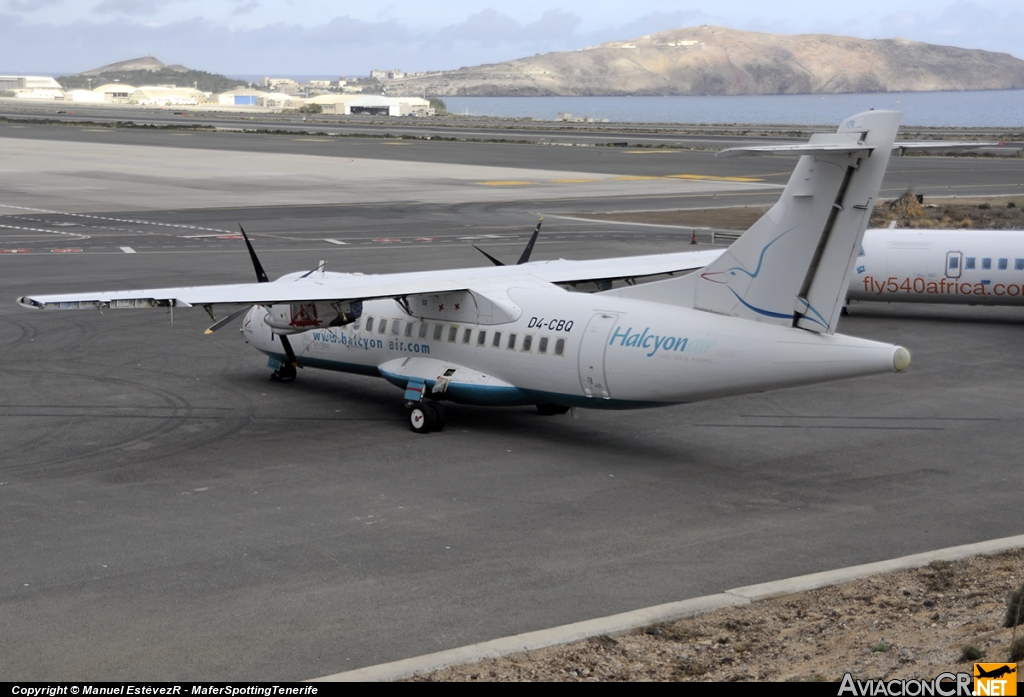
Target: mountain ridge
<point x="709" y="60"/>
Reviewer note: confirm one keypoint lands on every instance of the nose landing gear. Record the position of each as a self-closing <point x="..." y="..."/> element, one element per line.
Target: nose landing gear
<point x="285" y="373"/>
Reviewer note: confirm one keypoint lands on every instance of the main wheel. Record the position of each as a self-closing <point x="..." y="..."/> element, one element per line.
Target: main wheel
<point x="439" y="415"/>
<point x="421" y="418"/>
<point x="551" y="409"/>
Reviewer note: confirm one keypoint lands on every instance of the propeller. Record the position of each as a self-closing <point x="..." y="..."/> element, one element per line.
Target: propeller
<point x="224" y="322"/>
<point x="529" y="245"/>
<point x="261" y="277"/>
<point x="525" y="257"/>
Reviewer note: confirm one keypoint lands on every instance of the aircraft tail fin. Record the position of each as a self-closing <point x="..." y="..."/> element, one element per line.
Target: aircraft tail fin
<point x="793" y="266"/>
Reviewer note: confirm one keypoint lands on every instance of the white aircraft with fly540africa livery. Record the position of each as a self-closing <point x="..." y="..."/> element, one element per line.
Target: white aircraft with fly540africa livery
<point x="976" y="267"/>
<point x="760" y="316"/>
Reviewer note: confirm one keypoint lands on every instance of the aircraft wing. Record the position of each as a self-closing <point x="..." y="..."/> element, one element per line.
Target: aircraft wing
<point x="332" y="287"/>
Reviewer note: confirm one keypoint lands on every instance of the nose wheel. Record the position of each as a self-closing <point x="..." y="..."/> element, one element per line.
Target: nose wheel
<point x="551" y="409"/>
<point x="425" y="417"/>
<point x="286" y="373"/>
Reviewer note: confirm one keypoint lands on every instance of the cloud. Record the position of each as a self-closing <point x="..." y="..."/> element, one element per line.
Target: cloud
<point x="962" y="24"/>
<point x="652" y="23"/>
<point x="489" y="26"/>
<point x="31" y="5"/>
<point x="133" y="7"/>
<point x="245" y="8"/>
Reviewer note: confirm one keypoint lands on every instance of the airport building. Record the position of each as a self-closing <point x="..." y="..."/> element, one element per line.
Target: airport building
<point x="14" y="83"/>
<point x="168" y="95"/>
<point x="348" y="104"/>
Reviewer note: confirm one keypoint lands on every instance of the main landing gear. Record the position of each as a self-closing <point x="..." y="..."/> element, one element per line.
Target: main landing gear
<point x="426" y="416"/>
<point x="551" y="409"/>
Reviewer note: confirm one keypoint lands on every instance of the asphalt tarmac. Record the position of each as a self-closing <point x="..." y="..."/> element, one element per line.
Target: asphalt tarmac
<point x="171" y="514"/>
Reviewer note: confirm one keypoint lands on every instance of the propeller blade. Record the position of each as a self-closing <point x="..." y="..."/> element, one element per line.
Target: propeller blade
<point x="288" y="350"/>
<point x="493" y="260"/>
<point x="227" y="320"/>
<point x="529" y="245"/>
<point x="261" y="275"/>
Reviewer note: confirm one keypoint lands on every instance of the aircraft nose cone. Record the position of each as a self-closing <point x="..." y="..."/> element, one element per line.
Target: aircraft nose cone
<point x="900" y="359"/>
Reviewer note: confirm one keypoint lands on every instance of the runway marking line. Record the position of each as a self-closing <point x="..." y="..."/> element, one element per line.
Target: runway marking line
<point x="709" y="177"/>
<point x="573" y="181"/>
<point x="67" y="250"/>
<point x="15" y="251"/>
<point x="127" y="250"/>
<point x="332" y="241"/>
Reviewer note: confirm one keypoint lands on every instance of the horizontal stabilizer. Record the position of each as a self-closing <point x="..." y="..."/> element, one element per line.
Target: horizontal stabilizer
<point x="798" y="149"/>
<point x="898" y="148"/>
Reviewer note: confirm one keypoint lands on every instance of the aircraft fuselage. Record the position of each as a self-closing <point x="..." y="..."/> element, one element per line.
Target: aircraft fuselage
<point x="578" y="350"/>
<point x="977" y="267"/>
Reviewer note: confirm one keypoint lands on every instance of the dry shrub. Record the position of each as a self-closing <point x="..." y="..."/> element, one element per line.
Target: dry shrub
<point x="907" y="206"/>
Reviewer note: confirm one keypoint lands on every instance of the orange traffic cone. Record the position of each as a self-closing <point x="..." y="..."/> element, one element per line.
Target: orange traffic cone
<point x="693" y="240"/>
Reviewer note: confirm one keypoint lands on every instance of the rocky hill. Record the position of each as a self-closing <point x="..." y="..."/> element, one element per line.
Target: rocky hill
<point x="149" y="71"/>
<point x="716" y="60"/>
<point x="147" y="64"/>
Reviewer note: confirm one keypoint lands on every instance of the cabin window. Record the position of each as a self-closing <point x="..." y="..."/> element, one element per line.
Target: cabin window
<point x="453" y="333"/>
<point x="542" y="345"/>
<point x="467" y="334"/>
<point x="969" y="263"/>
<point x="986" y="263"/>
<point x="481" y="338"/>
<point x="438" y="330"/>
<point x="408" y="329"/>
<point x="1002" y="264"/>
<point x="954" y="262"/>
<point x="527" y="342"/>
<point x="382" y="326"/>
<point x="396" y="326"/>
<point x="511" y="341"/>
<point x="560" y="347"/>
<point x="862" y="252"/>
<point x="1018" y="264"/>
<point x="423" y="330"/>
<point x="497" y="340"/>
<point x="369" y="325"/>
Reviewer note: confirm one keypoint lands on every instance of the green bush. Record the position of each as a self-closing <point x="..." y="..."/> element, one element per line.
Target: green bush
<point x="1017" y="651"/>
<point x="1015" y="608"/>
<point x="970" y="652"/>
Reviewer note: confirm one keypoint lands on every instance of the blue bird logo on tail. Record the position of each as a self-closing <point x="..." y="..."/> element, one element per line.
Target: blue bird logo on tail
<point x="726" y="278"/>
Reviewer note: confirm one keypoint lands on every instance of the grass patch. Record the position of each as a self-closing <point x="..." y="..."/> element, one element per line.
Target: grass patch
<point x="970" y="652"/>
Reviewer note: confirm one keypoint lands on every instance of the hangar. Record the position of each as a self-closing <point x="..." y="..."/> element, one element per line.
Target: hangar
<point x="349" y="104"/>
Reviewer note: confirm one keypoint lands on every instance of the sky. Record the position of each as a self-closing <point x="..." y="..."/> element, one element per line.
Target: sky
<point x="339" y="38"/>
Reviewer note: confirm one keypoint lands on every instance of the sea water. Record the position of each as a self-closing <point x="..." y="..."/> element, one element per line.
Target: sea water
<point x="995" y="108"/>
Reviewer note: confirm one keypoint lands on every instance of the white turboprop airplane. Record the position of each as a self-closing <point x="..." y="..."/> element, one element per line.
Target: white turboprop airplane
<point x="760" y="316"/>
<point x="977" y="267"/>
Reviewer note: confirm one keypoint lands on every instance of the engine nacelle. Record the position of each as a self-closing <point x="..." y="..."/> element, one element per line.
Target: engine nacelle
<point x="292" y="318"/>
